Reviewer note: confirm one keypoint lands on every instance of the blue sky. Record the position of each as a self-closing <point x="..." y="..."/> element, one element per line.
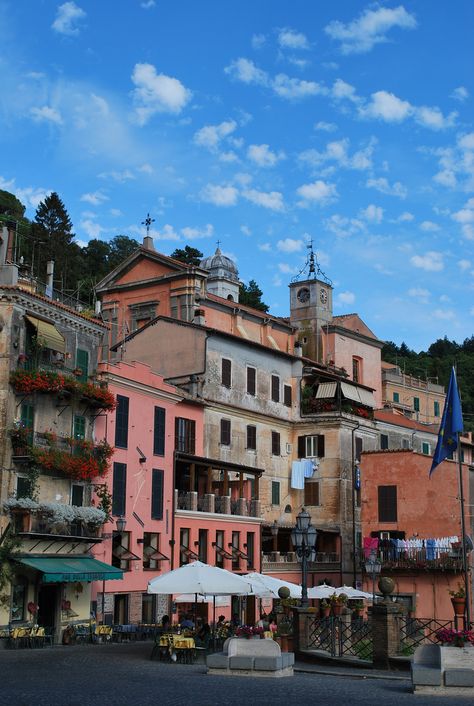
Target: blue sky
<point x="262" y="124"/>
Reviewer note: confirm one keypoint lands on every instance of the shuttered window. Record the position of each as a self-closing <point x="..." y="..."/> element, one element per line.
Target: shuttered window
<point x="275" y="388"/>
<point x="82" y="363"/>
<point x="275" y="443"/>
<point x="287" y="395"/>
<point x="119" y="489"/>
<point x="121" y="422"/>
<point x="251" y="381"/>
<point x="159" y="432"/>
<point x="79" y="427"/>
<point x="384" y="442"/>
<point x="275" y="492"/>
<point x="185" y="435"/>
<point x="27" y="415"/>
<point x="311" y="446"/>
<point x="387" y="503"/>
<point x="358" y="448"/>
<point x="311" y="493"/>
<point x="226" y="372"/>
<point x="416" y="404"/>
<point x="251" y="437"/>
<point x="225" y="432"/>
<point x="157" y="479"/>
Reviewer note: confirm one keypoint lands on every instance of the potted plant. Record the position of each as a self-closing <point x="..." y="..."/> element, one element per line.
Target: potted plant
<point x="337" y="603"/>
<point x="455" y="638"/>
<point x="458" y="599"/>
<point x="325" y="609"/>
<point x="357" y="608"/>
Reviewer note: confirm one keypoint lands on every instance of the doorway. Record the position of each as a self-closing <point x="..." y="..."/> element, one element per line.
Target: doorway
<point x="48" y="602"/>
<point x="121" y="609"/>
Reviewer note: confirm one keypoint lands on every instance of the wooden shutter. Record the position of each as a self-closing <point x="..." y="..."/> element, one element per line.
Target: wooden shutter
<point x="321" y="446"/>
<point x="301" y="447"/>
<point x="190" y="436"/>
<point x="275" y="443"/>
<point x="157" y="479"/>
<point x="82" y="363"/>
<point x="159" y="432"/>
<point x="119" y="488"/>
<point x="287" y="395"/>
<point x="275" y="388"/>
<point x="251" y="437"/>
<point x="225" y="432"/>
<point x="311" y="493"/>
<point x="251" y="381"/>
<point x="79" y="427"/>
<point x="121" y="422"/>
<point x="275" y="492"/>
<point x="384" y="441"/>
<point x="28" y="420"/>
<point x="358" y="448"/>
<point x="387" y="503"/>
<point x="77" y="495"/>
<point x="226" y="372"/>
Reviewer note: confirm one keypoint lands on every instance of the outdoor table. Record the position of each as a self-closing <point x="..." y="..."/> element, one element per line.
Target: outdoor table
<point x="182" y="645"/>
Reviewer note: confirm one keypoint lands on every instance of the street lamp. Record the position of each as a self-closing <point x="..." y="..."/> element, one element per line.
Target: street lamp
<point x="121" y="523"/>
<point x="304" y="542"/>
<point x="373" y="567"/>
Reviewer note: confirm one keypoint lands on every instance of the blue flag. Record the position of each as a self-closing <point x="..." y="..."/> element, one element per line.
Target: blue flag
<point x="451" y="424"/>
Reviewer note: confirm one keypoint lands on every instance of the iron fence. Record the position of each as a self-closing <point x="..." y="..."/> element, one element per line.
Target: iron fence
<point x="340" y="637"/>
<point x="416" y="631"/>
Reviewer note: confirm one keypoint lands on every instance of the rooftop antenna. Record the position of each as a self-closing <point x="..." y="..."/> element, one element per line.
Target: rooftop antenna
<point x="147" y="222"/>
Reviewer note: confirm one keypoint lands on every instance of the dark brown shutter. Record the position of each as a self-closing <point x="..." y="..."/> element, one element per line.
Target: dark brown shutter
<point x="287" y="395"/>
<point x="251" y="381"/>
<point x="320" y="445"/>
<point x="275" y="443"/>
<point x="387" y="503"/>
<point x="301" y="447"/>
<point x="225" y="432"/>
<point x="251" y="437"/>
<point x="311" y="493"/>
<point x="226" y="372"/>
<point x="275" y="388"/>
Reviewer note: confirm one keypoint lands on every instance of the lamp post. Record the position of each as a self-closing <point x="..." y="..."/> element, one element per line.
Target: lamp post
<point x="304" y="542"/>
<point x="373" y="567"/>
<point x="274" y="530"/>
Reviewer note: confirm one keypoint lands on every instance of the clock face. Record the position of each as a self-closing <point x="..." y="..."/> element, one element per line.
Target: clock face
<point x="303" y="295"/>
<point x="323" y="295"/>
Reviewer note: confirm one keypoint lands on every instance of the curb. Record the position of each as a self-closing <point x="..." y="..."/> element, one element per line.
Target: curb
<point x="354" y="675"/>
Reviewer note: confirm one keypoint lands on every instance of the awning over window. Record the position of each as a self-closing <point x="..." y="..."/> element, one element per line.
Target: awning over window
<point x="367" y="397"/>
<point x="123" y="553"/>
<point x="357" y="394"/>
<point x="325" y="390"/>
<point x="48" y="334"/>
<point x="69" y="569"/>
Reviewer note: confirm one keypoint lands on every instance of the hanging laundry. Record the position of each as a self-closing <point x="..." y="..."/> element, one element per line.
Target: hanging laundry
<point x="308" y="468"/>
<point x="371" y="544"/>
<point x="297" y="475"/>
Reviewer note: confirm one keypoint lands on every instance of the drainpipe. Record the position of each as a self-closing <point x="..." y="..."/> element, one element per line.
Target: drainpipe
<point x="354" y="565"/>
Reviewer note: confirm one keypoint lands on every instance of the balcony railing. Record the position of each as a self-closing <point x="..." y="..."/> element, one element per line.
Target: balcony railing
<point x="219" y="504"/>
<point x="280" y="561"/>
<point x="25" y="522"/>
<point x="322" y="406"/>
<point x="422" y="559"/>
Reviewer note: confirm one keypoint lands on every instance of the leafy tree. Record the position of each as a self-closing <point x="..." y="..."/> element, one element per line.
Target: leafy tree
<point x="251" y="295"/>
<point x="120" y="248"/>
<point x="53" y="236"/>
<point x="10" y="206"/>
<point x="190" y="256"/>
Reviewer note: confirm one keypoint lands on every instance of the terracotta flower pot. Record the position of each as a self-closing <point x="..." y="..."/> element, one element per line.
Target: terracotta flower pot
<point x="459" y="605"/>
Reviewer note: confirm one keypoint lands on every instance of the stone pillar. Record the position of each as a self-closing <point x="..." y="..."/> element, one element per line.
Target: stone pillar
<point x="385" y="633"/>
<point x="301" y="620"/>
<point x="193" y="500"/>
<point x="255" y="508"/>
<point x="226" y="504"/>
<point x="209" y="502"/>
<point x="243" y="506"/>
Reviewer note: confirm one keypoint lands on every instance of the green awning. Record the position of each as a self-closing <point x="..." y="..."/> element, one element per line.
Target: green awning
<point x="74" y="568"/>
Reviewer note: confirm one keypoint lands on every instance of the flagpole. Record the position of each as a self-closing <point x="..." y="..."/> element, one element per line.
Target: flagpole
<point x="463" y="538"/>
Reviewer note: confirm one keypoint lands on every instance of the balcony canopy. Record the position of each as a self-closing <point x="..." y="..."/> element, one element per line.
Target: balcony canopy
<point x="217" y="464"/>
<point x="70" y="569"/>
<point x="48" y="333"/>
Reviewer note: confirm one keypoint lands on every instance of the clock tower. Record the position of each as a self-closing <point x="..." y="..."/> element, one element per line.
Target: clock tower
<point x="311" y="309"/>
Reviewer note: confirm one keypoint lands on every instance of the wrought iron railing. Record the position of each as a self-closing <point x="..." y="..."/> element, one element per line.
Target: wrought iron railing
<point x="416" y="631"/>
<point x="340" y="637"/>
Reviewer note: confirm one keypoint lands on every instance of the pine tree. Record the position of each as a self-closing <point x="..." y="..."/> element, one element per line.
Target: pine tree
<point x="251" y="295"/>
<point x="52" y="233"/>
<point x="190" y="256"/>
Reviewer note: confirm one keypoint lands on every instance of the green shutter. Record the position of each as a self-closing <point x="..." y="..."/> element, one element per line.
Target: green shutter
<point x="121" y="422"/>
<point x="28" y="420"/>
<point x="82" y="363"/>
<point x="157" y="480"/>
<point x="396" y="397"/>
<point x="436" y="408"/>
<point x="79" y="427"/>
<point x="416" y="404"/>
<point x="119" y="489"/>
<point x="159" y="432"/>
<point x="275" y="493"/>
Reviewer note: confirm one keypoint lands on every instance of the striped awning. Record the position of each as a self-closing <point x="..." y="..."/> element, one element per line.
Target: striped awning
<point x="47" y="334"/>
<point x="358" y="394"/>
<point x="325" y="390"/>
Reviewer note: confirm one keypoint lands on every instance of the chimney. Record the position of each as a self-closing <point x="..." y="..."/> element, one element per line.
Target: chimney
<point x="8" y="271"/>
<point x="49" y="278"/>
<point x="199" y="317"/>
<point x="148" y="242"/>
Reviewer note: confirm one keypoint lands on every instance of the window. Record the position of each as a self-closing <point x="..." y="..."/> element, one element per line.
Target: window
<point x="287" y="395"/>
<point x="416" y="404"/>
<point x="396" y="397"/>
<point x="157" y="478"/>
<point x="77" y="495"/>
<point x="121" y="422"/>
<point x="387" y="503"/>
<point x="27" y="416"/>
<point x="119" y="489"/>
<point x="426" y="448"/>
<point x="79" y="427"/>
<point x="275" y="388"/>
<point x="219" y="546"/>
<point x="251" y="381"/>
<point x="159" y="432"/>
<point x="152" y="556"/>
<point x="184" y="546"/>
<point x="148" y="609"/>
<point x="235" y="551"/>
<point x="356" y="369"/>
<point x="202" y="544"/>
<point x="250" y="549"/>
<point x="185" y="435"/>
<point x="251" y="437"/>
<point x="82" y="363"/>
<point x="23" y="487"/>
<point x="436" y="408"/>
<point x="121" y="554"/>
<point x="275" y="492"/>
<point x="384" y="442"/>
<point x="19" y="592"/>
<point x="226" y="378"/>
<point x="311" y="446"/>
<point x="275" y="443"/>
<point x="358" y="447"/>
<point x="225" y="432"/>
<point x="311" y="493"/>
<point x="405" y="443"/>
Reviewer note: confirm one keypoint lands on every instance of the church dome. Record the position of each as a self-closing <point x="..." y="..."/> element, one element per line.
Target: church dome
<point x="220" y="266"/>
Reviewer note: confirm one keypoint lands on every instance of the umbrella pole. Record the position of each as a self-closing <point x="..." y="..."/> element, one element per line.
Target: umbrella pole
<point x="195" y="610"/>
<point x="214" y="622"/>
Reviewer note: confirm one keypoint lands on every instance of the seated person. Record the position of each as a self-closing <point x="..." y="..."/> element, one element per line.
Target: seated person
<point x="188" y="623"/>
<point x="203" y="636"/>
<point x="165" y="623"/>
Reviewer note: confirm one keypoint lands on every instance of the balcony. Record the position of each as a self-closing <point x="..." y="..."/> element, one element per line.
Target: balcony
<point x="420" y="559"/>
<point x="288" y="561"/>
<point x="54" y="520"/>
<point x="217" y="504"/>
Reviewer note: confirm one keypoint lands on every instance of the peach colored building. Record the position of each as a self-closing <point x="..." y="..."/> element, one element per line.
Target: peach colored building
<point x="401" y="503"/>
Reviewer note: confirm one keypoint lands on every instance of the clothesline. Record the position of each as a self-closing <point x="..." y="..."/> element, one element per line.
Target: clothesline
<point x="300" y="470"/>
<point x="429" y="548"/>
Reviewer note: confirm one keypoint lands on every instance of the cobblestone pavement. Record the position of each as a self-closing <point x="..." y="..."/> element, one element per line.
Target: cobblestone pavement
<point x="123" y="675"/>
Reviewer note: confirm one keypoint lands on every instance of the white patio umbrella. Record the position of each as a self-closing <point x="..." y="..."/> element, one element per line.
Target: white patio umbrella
<point x="352" y="593"/>
<point x="198" y="577"/>
<point x="191" y="598"/>
<point x="265" y="586"/>
<point x="322" y="592"/>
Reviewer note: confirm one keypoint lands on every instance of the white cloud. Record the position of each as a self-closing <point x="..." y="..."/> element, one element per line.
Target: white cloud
<point x="246" y="71"/>
<point x="319" y="192"/>
<point x="381" y="184"/>
<point x="290" y="245"/>
<point x="116" y="212"/>
<point x="468" y="231"/>
<point x="464" y="265"/>
<point x="465" y="214"/>
<point x="147" y="4"/>
<point x="263" y="156"/>
<point x="195" y="233"/>
<point x="291" y="39"/>
<point x="295" y="88"/>
<point x="210" y="135"/>
<point x="460" y="94"/>
<point x="338" y="151"/>
<point x="272" y="200"/>
<point x="344" y="298"/>
<point x="265" y="247"/>
<point x="228" y="157"/>
<point x="344" y="91"/>
<point x="46" y="114"/>
<point x="120" y="177"/>
<point x="369" y="29"/>
<point x="245" y="230"/>
<point x="91" y="228"/>
<point x="68" y="15"/>
<point x="220" y="195"/>
<point x="146" y="168"/>
<point x="433" y="118"/>
<point x="429" y="226"/>
<point x="405" y="217"/>
<point x="287" y="269"/>
<point x="419" y="293"/>
<point x="431" y="261"/>
<point x="444" y="314"/>
<point x="166" y="233"/>
<point x="258" y="40"/>
<point x="386" y="106"/>
<point x="372" y="214"/>
<point x="325" y="127"/>
<point x="95" y="198"/>
<point x="342" y="226"/>
<point x="157" y="93"/>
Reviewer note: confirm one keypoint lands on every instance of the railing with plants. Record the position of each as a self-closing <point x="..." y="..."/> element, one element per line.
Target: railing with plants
<point x="311" y="405"/>
<point x="26" y="382"/>
<point x="54" y="518"/>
